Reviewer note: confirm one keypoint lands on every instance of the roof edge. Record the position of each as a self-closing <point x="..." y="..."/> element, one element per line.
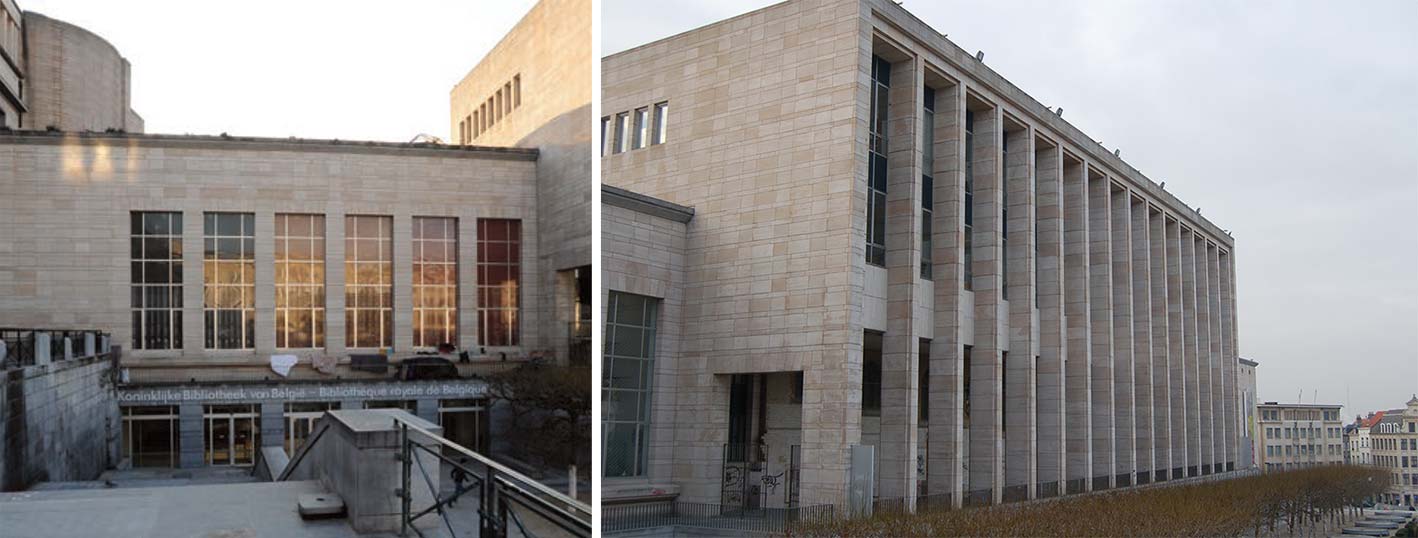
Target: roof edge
<point x="649" y="205"/>
<point x="294" y="144"/>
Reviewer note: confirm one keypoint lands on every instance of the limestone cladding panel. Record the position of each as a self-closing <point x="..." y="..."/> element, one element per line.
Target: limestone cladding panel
<point x="766" y="139"/>
<point x="644" y="255"/>
<point x="64" y="223"/>
<point x="76" y="80"/>
<point x="545" y="61"/>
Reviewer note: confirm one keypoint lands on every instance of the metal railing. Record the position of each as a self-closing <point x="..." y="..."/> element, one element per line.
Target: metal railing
<point x="506" y="496"/>
<point x="22" y="345"/>
<point x="650" y="515"/>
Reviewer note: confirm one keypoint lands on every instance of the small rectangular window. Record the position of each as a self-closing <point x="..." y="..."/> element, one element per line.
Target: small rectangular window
<point x="642" y="128"/>
<point x="605" y="134"/>
<point x="662" y="112"/>
<point x="622" y="125"/>
<point x="507" y="91"/>
<point x="517" y="91"/>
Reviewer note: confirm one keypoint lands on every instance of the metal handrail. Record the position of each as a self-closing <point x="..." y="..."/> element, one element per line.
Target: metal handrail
<point x="565" y="512"/>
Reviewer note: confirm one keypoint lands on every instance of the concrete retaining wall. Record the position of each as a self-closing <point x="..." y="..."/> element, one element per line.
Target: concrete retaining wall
<point x="58" y="422"/>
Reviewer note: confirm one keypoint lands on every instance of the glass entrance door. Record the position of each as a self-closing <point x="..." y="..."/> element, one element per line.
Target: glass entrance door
<point x="232" y="432"/>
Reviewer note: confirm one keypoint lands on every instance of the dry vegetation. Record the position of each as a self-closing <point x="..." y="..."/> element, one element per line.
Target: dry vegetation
<point x="1295" y="502"/>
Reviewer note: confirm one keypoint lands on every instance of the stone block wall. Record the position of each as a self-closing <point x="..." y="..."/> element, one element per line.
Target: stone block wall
<point x="76" y="80"/>
<point x="58" y="422"/>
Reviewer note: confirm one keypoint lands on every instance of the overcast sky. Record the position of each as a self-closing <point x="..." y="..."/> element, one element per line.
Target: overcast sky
<point x="1292" y="124"/>
<point x="348" y="69"/>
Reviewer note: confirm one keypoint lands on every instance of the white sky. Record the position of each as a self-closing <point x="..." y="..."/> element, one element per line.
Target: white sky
<point x="348" y="69"/>
<point x="1292" y="123"/>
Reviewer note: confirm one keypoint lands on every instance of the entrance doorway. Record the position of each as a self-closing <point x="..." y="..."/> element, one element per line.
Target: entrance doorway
<point x="231" y="432"/>
<point x="465" y="422"/>
<point x="150" y="436"/>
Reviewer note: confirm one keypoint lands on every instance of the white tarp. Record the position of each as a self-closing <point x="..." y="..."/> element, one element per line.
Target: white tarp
<point x="283" y="363"/>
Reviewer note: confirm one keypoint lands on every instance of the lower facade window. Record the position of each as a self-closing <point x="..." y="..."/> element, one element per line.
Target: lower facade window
<point x="464" y="422"/>
<point x="628" y="366"/>
<point x="435" y="250"/>
<point x="300" y="281"/>
<point x="300" y="421"/>
<point x="369" y="282"/>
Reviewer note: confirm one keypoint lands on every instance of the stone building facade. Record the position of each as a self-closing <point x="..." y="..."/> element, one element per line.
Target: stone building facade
<point x="254" y="283"/>
<point x="12" y="71"/>
<point x="533" y="90"/>
<point x="1250" y="422"/>
<point x="894" y="246"/>
<point x="1300" y="435"/>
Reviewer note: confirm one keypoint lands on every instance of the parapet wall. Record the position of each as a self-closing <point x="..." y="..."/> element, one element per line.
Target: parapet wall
<point x="58" y="422"/>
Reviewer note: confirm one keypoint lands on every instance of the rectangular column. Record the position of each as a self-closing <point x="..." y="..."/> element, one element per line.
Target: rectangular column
<point x="986" y="372"/>
<point x="896" y="454"/>
<point x="1100" y="289"/>
<point x="1191" y="362"/>
<point x="1078" y="381"/>
<point x="427" y="409"/>
<point x="1141" y="282"/>
<point x="1203" y="338"/>
<point x="1219" y="396"/>
<point x="1048" y="164"/>
<point x="945" y="442"/>
<point x="1125" y="439"/>
<point x="1234" y="412"/>
<point x="1158" y="327"/>
<point x="1177" y="358"/>
<point x="192" y="435"/>
<point x="1019" y="395"/>
<point x="273" y="414"/>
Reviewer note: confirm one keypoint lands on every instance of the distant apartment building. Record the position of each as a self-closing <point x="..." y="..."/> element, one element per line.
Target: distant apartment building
<point x="1358" y="439"/>
<point x="840" y="245"/>
<point x="1300" y="435"/>
<point x="1394" y="441"/>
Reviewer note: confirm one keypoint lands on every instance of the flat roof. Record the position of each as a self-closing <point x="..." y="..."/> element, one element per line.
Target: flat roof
<point x="253" y="143"/>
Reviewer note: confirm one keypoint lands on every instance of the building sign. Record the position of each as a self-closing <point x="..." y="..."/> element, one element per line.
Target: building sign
<point x="406" y="390"/>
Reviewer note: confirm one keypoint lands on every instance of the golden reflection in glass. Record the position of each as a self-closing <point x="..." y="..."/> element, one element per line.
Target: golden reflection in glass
<point x="300" y="281"/>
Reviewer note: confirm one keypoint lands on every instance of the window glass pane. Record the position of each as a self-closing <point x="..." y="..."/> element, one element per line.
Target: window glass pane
<point x="499" y="279"/>
<point x="368" y="281"/>
<point x="435" y="280"/>
<point x="154" y="242"/>
<point x="229" y="280"/>
<point x="627" y="364"/>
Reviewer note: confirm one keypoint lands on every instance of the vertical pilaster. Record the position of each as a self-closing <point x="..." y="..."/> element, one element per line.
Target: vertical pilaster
<point x="1125" y="439"/>
<point x="468" y="282"/>
<point x="1019" y="396"/>
<point x="986" y="398"/>
<point x="1235" y="413"/>
<point x="335" y="281"/>
<point x="1161" y="368"/>
<point x="1187" y="244"/>
<point x="193" y="343"/>
<point x="944" y="465"/>
<point x="265" y="284"/>
<point x="1219" y="396"/>
<point x="1142" y="380"/>
<point x="899" y="374"/>
<point x="1176" y="355"/>
<point x="1048" y="164"/>
<point x="1078" y="382"/>
<point x="1203" y="339"/>
<point x="404" y="284"/>
<point x="1100" y="290"/>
